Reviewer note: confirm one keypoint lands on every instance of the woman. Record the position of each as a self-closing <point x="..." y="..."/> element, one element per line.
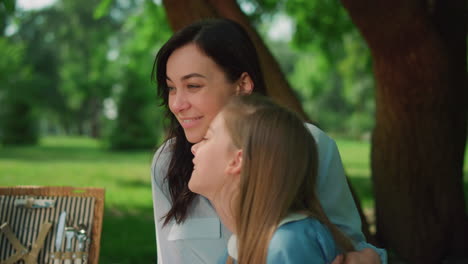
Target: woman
<point x="263" y="185"/>
<point x="197" y="71"/>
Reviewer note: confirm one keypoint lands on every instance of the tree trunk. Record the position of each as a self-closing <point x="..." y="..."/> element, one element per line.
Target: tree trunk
<point x="419" y="53"/>
<point x="95" y="120"/>
<point x="183" y="12"/>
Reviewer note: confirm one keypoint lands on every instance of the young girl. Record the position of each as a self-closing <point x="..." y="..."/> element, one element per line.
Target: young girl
<point x="263" y="185"/>
<point x="197" y="71"/>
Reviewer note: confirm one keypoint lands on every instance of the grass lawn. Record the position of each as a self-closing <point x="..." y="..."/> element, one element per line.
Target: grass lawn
<point x="128" y="230"/>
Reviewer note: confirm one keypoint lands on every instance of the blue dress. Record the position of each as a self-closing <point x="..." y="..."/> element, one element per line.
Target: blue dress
<point x="298" y="241"/>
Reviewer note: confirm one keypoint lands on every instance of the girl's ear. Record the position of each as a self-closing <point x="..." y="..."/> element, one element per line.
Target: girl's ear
<point x="235" y="165"/>
<point x="245" y="84"/>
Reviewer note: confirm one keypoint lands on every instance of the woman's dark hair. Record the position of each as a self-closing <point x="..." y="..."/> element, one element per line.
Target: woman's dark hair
<point x="230" y="47"/>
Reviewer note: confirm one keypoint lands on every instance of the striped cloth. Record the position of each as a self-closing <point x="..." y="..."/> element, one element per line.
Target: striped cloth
<point x="26" y="222"/>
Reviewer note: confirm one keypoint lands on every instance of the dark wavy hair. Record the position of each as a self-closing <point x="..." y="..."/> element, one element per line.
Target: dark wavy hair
<point x="229" y="46"/>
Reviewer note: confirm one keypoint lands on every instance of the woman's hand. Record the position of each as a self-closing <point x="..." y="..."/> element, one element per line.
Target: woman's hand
<point x="365" y="256"/>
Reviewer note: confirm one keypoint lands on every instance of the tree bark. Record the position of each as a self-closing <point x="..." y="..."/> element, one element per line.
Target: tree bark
<point x="183" y="12"/>
<point x="418" y="144"/>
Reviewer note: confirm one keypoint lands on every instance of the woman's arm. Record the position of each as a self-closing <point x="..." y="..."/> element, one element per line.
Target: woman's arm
<point x="332" y="187"/>
<point x="161" y="203"/>
<point x="166" y="250"/>
<point x="334" y="193"/>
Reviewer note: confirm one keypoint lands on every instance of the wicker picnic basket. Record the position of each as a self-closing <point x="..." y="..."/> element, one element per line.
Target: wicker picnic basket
<point x="29" y="224"/>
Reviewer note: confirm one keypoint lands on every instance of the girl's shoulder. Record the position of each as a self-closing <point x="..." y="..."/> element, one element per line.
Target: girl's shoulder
<point x="305" y="240"/>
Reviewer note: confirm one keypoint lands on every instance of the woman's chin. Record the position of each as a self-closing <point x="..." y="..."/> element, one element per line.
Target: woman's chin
<point x="195" y="134"/>
<point x="192" y="138"/>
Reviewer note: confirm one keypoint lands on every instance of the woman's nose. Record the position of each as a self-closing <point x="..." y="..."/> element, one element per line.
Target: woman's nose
<point x="178" y="102"/>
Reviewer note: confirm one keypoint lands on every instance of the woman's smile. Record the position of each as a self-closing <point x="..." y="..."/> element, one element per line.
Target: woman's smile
<point x="189" y="122"/>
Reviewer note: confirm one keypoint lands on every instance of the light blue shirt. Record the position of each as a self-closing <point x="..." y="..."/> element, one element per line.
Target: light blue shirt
<point x="202" y="238"/>
<point x="297" y="240"/>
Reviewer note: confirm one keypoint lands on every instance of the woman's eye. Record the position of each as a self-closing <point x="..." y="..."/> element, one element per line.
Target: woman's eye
<point x="170" y="88"/>
<point x="193" y="86"/>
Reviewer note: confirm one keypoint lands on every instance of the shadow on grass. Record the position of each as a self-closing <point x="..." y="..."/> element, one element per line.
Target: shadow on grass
<point x="128" y="237"/>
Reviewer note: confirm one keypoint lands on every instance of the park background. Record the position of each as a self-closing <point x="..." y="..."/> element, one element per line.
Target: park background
<point x="78" y="108"/>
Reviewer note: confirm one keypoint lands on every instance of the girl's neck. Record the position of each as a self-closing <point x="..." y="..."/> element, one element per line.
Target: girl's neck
<point x="224" y="206"/>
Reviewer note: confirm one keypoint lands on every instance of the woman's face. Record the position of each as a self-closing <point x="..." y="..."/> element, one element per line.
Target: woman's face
<point x="214" y="156"/>
<point x="198" y="89"/>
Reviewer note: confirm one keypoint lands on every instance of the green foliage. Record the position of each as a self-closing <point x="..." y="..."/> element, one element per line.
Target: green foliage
<point x="66" y="49"/>
<point x="5" y="9"/>
<point x="358" y="84"/>
<point x="79" y="52"/>
<point x="139" y="119"/>
<point x="135" y="126"/>
<point x="18" y="120"/>
<point x="19" y="123"/>
<point x="102" y="9"/>
<point x="85" y="73"/>
<point x="8" y="5"/>
<point x="342" y="84"/>
<point x="331" y="65"/>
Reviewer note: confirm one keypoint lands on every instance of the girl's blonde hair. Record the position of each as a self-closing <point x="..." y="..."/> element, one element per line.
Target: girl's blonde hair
<point x="278" y="175"/>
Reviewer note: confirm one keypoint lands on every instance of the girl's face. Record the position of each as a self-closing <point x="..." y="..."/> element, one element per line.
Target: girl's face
<point x="214" y="161"/>
<point x="198" y="89"/>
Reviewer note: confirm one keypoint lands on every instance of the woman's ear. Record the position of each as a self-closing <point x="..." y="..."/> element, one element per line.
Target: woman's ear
<point x="245" y="84"/>
<point x="235" y="166"/>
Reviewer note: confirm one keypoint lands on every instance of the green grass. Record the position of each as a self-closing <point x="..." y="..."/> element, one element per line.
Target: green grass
<point x="356" y="160"/>
<point x="128" y="229"/>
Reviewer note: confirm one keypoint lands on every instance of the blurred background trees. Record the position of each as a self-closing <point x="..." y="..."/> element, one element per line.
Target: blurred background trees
<point x="83" y="68"/>
<point x="66" y="66"/>
<point x="76" y="60"/>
